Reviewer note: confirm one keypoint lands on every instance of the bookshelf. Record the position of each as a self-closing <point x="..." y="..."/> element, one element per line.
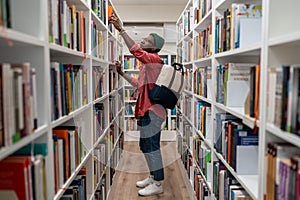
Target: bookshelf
<point x="210" y="42"/>
<point x="61" y="101"/>
<point x="131" y="65"/>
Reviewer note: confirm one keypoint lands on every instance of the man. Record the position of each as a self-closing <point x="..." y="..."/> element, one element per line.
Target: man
<point x="150" y="116"/>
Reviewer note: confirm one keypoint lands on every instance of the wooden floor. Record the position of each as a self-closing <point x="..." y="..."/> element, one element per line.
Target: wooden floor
<point x="133" y="167"/>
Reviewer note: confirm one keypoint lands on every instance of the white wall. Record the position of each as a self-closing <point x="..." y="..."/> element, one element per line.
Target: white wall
<point x="167" y="31"/>
<point x="165" y="14"/>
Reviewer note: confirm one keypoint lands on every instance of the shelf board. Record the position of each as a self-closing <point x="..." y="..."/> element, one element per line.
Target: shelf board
<point x="59" y="194"/>
<point x="253" y="50"/>
<point x="286" y="136"/>
<point x="130" y="101"/>
<point x="204" y="61"/>
<point x="224" y="4"/>
<point x="205" y="22"/>
<point x="132" y="70"/>
<point x="203" y="98"/>
<point x="239" y="112"/>
<point x="248" y="182"/>
<point x="288" y="39"/>
<point x="18" y="39"/>
<point x="71" y="115"/>
<point x="8" y="150"/>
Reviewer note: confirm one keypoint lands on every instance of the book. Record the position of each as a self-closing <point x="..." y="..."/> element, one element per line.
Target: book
<point x="64" y="135"/>
<point x="271" y="92"/>
<point x="16" y="176"/>
<point x="237" y="84"/>
<point x="246" y="152"/>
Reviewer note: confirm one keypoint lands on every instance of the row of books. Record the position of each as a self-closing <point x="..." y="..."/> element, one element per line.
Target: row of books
<point x="69" y="150"/>
<point x="187" y="50"/>
<point x="283" y="97"/>
<point x="77" y="189"/>
<point x="101" y="179"/>
<point x="131" y="124"/>
<point x="202" y="8"/>
<point x="179" y="54"/>
<point x="129" y="108"/>
<point x="235" y="83"/>
<point x="130" y="94"/>
<point x="99" y="120"/>
<point x="282" y="171"/>
<point x="237" y="143"/>
<point x="187" y="134"/>
<point x="23" y="178"/>
<point x="97" y="43"/>
<point x="203" y="119"/>
<point x="100" y="160"/>
<point x="98" y="6"/>
<point x="225" y="186"/>
<point x="113" y="80"/>
<point x="114" y="104"/>
<point x="200" y="187"/>
<point x="98" y="82"/>
<point x="203" y="82"/>
<point x="202" y="156"/>
<point x="240" y="26"/>
<point x="203" y="43"/>
<point x="112" y="51"/>
<point x="18" y="102"/>
<point x="67" y="25"/>
<point x="23" y="173"/>
<point x="131" y="63"/>
<point x="187" y="109"/>
<point x="188" y="83"/>
<point x="68" y="88"/>
<point x="5" y="14"/>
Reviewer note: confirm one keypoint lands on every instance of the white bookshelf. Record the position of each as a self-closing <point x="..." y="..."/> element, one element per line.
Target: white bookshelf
<point x="27" y="40"/>
<point x="279" y="44"/>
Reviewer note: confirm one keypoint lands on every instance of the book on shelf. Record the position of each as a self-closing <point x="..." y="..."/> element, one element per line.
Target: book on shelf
<point x="219" y="134"/>
<point x="245" y="159"/>
<point x="64" y="136"/>
<point x="23" y="176"/>
<point x="236" y="83"/>
<point x="283" y="99"/>
<point x="276" y="152"/>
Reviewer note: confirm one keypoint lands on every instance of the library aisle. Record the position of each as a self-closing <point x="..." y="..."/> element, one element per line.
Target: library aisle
<point x="132" y="167"/>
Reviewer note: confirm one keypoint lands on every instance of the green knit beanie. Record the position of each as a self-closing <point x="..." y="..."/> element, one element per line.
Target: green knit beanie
<point x="158" y="40"/>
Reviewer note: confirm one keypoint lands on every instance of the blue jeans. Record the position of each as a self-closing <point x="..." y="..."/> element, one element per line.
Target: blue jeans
<point x="150" y="130"/>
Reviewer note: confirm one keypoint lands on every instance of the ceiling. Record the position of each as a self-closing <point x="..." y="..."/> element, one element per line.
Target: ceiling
<point x="149" y="2"/>
<point x="149" y="11"/>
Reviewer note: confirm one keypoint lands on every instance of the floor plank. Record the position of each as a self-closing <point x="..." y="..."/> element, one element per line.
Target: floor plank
<point x="133" y="167"/>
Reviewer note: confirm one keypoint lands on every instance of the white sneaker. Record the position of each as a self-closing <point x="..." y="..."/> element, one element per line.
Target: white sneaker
<point x="145" y="182"/>
<point x="154" y="188"/>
